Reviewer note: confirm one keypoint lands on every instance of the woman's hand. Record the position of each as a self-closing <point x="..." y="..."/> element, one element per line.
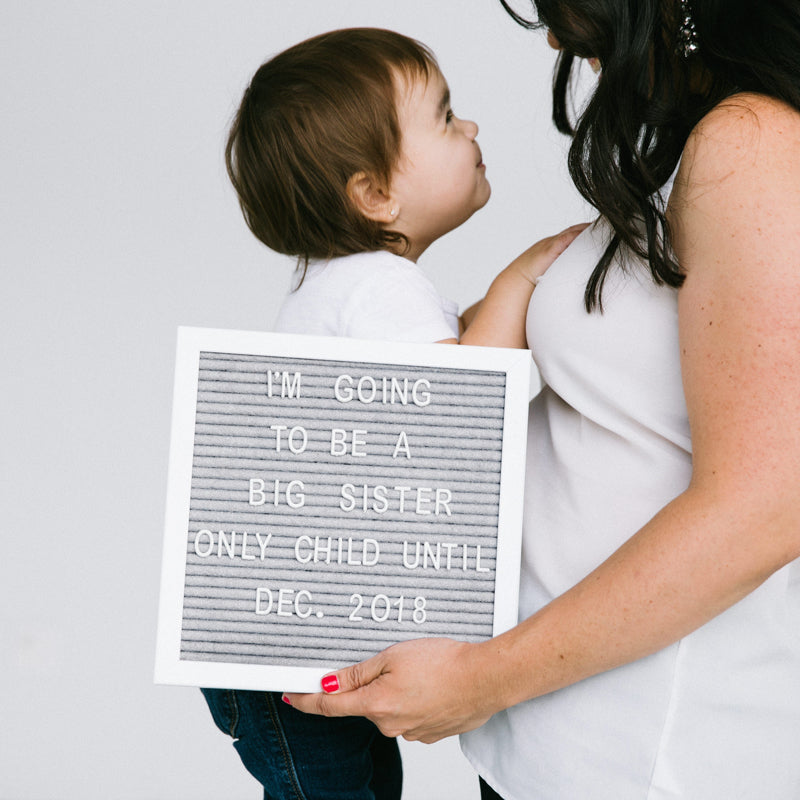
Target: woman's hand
<point x="422" y="690"/>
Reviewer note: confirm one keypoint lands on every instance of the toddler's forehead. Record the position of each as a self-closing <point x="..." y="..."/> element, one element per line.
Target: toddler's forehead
<point x="412" y="83"/>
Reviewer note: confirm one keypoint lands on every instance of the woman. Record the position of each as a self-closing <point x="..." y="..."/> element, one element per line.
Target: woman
<point x="659" y="649"/>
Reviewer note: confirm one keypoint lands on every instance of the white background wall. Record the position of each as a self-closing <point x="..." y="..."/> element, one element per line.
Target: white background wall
<point x="117" y="225"/>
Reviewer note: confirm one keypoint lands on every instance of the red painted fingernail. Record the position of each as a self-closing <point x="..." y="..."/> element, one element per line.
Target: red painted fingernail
<point x="330" y="683"/>
<point x="286" y="700"/>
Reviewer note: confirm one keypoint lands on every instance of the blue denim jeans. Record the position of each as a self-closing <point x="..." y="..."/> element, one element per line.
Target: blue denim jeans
<point x="298" y="756"/>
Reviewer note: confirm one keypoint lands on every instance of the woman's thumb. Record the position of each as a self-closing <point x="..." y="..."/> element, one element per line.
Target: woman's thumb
<point x="353" y="677"/>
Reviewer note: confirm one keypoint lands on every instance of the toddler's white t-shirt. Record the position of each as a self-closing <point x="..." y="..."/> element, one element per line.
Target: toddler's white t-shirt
<point x="375" y="295"/>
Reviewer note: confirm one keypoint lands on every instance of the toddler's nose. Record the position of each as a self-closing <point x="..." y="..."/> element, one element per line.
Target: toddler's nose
<point x="470" y="128"/>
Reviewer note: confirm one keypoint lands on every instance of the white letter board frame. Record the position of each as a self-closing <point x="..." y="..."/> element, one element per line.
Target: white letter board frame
<point x="358" y="357"/>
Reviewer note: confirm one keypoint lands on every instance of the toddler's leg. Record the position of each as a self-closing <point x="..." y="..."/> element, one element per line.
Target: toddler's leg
<point x="302" y="757"/>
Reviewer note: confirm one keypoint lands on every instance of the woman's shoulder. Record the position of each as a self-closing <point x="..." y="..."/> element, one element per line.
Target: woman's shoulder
<point x="750" y="105"/>
<point x="742" y="131"/>
<point x="747" y="143"/>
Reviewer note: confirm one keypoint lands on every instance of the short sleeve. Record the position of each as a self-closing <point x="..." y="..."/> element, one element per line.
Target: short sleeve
<point x="399" y="303"/>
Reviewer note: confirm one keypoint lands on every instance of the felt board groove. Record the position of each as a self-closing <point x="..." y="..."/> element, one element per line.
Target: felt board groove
<point x="454" y="431"/>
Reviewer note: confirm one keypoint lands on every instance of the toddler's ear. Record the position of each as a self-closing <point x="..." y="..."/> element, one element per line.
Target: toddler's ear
<point x="371" y="198"/>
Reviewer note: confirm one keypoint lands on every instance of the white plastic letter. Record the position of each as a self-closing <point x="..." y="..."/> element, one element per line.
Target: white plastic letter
<point x="301" y="498"/>
<point x="206" y="534"/>
<point x="260" y="592"/>
<point x="257" y="494"/>
<point x="305" y="597"/>
<point x="277" y="429"/>
<point x="402" y="445"/>
<point x="358" y="441"/>
<point x="343" y="395"/>
<point x="371" y="559"/>
<point x="348" y="501"/>
<point x="304" y="439"/>
<point x="422" y="398"/>
<point x="305" y="541"/>
<point x="338" y="442"/>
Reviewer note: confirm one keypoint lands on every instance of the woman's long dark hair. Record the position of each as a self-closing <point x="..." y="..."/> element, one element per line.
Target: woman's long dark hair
<point x="629" y="138"/>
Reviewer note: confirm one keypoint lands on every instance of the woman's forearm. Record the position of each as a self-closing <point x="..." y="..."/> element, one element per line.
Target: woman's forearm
<point x="695" y="559"/>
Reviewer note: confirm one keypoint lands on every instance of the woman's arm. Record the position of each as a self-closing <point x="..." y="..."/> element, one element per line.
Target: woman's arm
<point x="736" y="221"/>
<point x="499" y="319"/>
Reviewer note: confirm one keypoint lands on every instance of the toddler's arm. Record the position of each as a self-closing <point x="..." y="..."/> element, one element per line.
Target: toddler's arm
<point x="465" y="320"/>
<point x="499" y="319"/>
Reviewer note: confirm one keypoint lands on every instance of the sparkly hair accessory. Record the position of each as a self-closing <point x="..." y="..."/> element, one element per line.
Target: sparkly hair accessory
<point x="688" y="43"/>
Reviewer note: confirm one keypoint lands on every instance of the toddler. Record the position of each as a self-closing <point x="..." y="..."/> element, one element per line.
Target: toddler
<point x="346" y="153"/>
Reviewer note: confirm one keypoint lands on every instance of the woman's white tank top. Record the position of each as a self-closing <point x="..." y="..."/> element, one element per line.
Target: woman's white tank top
<point x="715" y="716"/>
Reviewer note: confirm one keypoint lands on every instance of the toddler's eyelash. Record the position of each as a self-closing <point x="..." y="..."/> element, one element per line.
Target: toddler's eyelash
<point x="449" y="116"/>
